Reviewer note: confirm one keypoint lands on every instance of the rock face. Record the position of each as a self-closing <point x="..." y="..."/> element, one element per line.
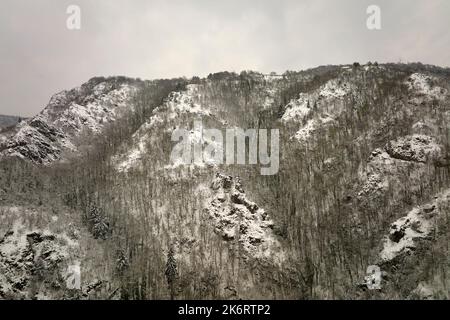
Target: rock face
<point x="69" y="114"/>
<point x="404" y="235"/>
<point x="27" y="258"/>
<point x="46" y="254"/>
<point x="387" y="167"/>
<point x="417" y="148"/>
<point x="417" y="225"/>
<point x="362" y="152"/>
<point x="236" y="218"/>
<point x="177" y="107"/>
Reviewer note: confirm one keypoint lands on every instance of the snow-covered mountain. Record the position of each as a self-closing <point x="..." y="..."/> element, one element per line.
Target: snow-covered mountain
<point x="363" y="181"/>
<point x="70" y="114"/>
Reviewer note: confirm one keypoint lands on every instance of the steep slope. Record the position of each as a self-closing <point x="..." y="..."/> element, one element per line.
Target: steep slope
<point x="363" y="151"/>
<point x="178" y="106"/>
<point x="46" y="254"/>
<point x="359" y="147"/>
<point x="406" y="250"/>
<point x="70" y="114"/>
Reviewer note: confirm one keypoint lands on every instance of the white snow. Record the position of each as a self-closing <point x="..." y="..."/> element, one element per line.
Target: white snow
<point x="391" y="249"/>
<point x="177" y="105"/>
<point x="324" y="103"/>
<point x="335" y="89"/>
<point x="197" y="138"/>
<point x="56" y="129"/>
<point x="423" y="84"/>
<point x="133" y="157"/>
<point x="235" y="217"/>
<point x="419" y="223"/>
<point x="298" y="109"/>
<point x="28" y="242"/>
<point x="306" y="132"/>
<point x="94" y="115"/>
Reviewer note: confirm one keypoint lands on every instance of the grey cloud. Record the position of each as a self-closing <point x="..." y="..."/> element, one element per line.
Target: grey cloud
<point x="155" y="39"/>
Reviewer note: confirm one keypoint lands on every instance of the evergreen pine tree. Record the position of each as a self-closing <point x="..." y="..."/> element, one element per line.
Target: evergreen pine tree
<point x="171" y="272"/>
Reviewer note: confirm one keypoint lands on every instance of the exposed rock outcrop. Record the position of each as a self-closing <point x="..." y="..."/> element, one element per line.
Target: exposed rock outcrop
<point x="417" y="148"/>
<point x="32" y="263"/>
<point x="403" y="237"/>
<point x="86" y="109"/>
<point x="236" y="218"/>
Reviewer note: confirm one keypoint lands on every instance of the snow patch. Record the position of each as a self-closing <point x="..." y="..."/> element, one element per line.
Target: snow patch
<point x="335" y="89"/>
<point x="298" y="109"/>
<point x="418" y="224"/>
<point x="312" y="126"/>
<point x="236" y="218"/>
<point x="45" y="137"/>
<point x="422" y="84"/>
<point x="178" y="104"/>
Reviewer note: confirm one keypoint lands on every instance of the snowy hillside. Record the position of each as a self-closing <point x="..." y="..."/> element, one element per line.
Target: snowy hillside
<point x="69" y="114"/>
<point x="363" y="182"/>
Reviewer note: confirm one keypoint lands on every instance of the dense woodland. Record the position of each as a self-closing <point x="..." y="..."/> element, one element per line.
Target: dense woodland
<point x="156" y="241"/>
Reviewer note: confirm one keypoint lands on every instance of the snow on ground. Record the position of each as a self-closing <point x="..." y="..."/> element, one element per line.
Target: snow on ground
<point x="307" y="131"/>
<point x="387" y="168"/>
<point x="402" y="156"/>
<point x="29" y="254"/>
<point x="335" y="89"/>
<point x="178" y="104"/>
<point x="374" y="183"/>
<point x="197" y="138"/>
<point x="298" y="109"/>
<point x="102" y="109"/>
<point x="43" y="138"/>
<point x="37" y="247"/>
<point x="235" y="217"/>
<point x="324" y="103"/>
<point x="418" y="224"/>
<point x="422" y="84"/>
<point x="37" y="141"/>
<point x="133" y="157"/>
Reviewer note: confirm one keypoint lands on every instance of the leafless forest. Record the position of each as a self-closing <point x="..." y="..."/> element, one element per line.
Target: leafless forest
<point x="364" y="180"/>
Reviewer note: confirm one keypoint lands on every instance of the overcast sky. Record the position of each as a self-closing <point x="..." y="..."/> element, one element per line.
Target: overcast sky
<point x="151" y="39"/>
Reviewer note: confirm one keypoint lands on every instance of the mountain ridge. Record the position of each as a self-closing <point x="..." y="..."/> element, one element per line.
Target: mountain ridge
<point x="364" y="150"/>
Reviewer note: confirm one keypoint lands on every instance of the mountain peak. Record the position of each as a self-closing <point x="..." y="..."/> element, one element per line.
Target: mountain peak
<point x="88" y="108"/>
